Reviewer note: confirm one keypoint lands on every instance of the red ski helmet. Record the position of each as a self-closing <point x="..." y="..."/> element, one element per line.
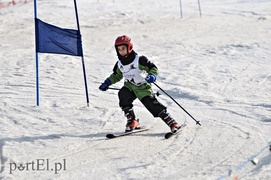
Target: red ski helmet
<point x="124" y="40"/>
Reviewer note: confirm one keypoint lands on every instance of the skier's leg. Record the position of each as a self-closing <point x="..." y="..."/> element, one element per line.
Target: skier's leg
<point x="153" y="105"/>
<point x="126" y="98"/>
<point x="159" y="110"/>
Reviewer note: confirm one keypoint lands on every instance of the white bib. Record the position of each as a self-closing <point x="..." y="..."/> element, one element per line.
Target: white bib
<point x="132" y="73"/>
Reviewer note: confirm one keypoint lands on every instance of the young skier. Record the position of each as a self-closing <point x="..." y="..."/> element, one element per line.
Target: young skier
<point x="138" y="73"/>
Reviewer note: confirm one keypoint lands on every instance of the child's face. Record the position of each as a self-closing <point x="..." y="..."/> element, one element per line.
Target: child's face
<point x="122" y="49"/>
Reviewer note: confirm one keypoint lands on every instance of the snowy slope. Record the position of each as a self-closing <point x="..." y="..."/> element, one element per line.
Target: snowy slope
<point x="217" y="67"/>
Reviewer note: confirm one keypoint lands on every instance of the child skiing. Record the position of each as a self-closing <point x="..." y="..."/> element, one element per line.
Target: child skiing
<point x="138" y="73"/>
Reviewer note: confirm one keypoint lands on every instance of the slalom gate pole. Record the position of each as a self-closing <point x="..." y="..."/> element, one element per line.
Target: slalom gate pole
<point x="37" y="56"/>
<point x="197" y="122"/>
<point x="82" y="57"/>
<point x="199" y="8"/>
<point x="181" y="9"/>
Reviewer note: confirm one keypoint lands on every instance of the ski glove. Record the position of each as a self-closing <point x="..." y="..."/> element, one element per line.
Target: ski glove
<point x="150" y="78"/>
<point x="104" y="86"/>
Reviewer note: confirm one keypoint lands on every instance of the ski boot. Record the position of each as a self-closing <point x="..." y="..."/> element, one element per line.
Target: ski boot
<point x="132" y="123"/>
<point x="173" y="125"/>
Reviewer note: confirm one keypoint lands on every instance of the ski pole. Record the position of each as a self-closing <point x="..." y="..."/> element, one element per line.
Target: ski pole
<point x="157" y="93"/>
<point x="113" y="88"/>
<point x="197" y="122"/>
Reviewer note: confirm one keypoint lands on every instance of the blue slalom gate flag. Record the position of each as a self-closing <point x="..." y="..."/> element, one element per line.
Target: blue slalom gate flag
<point x="53" y="39"/>
<point x="56" y="40"/>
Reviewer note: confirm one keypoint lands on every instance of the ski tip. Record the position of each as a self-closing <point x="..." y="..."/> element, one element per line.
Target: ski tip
<point x="110" y="136"/>
<point x="168" y="135"/>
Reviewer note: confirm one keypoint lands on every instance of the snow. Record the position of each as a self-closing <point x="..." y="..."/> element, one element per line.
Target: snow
<point x="216" y="66"/>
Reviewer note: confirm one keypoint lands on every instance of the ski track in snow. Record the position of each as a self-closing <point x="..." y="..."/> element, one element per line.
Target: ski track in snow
<point x="217" y="67"/>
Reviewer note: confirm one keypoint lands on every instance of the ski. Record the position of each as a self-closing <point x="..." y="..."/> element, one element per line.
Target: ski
<point x="170" y="134"/>
<point x="111" y="136"/>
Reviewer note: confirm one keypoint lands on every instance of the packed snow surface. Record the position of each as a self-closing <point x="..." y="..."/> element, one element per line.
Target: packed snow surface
<point x="217" y="66"/>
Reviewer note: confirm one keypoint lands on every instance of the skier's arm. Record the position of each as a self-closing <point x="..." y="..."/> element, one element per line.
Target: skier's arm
<point x="148" y="66"/>
<point x="116" y="76"/>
